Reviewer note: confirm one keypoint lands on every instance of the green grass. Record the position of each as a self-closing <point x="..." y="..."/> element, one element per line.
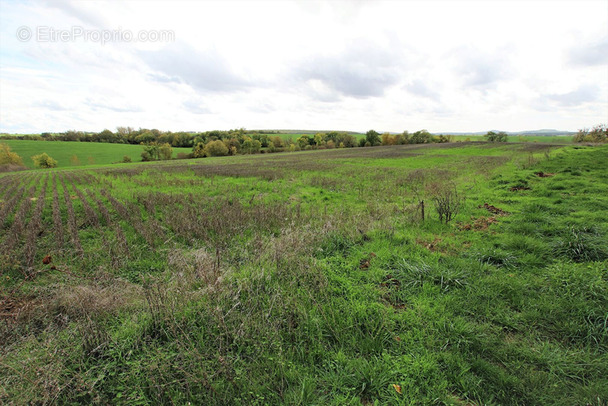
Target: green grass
<point x="553" y="139"/>
<point x="309" y="278"/>
<point x="100" y="153"/>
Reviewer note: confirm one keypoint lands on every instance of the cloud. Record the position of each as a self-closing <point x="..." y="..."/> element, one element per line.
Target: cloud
<point x="584" y="94"/>
<point x="115" y="107"/>
<point x="481" y="70"/>
<point x="419" y="88"/>
<point x="76" y="10"/>
<point x="206" y="71"/>
<point x="196" y="106"/>
<point x="590" y="54"/>
<point x="50" y="105"/>
<point x="361" y="71"/>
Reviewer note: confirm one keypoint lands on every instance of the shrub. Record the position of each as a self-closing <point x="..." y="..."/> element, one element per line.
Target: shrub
<point x="199" y="150"/>
<point x="126" y="159"/>
<point x="44" y="161"/>
<point x="7" y="157"/>
<point x="500" y="136"/>
<point x="74" y="160"/>
<point x="165" y="152"/>
<point x="599" y="133"/>
<point x="251" y="146"/>
<point x="150" y="152"/>
<point x="373" y="138"/>
<point x="216" y="148"/>
<point x="448" y="202"/>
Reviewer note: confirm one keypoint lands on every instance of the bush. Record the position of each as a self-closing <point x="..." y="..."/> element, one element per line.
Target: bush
<point x="448" y="202"/>
<point x="165" y="152"/>
<point x="599" y="133"/>
<point x="44" y="161"/>
<point x="7" y="157"/>
<point x="126" y="159"/>
<point x="216" y="148"/>
<point x="500" y="136"/>
<point x="150" y="152"/>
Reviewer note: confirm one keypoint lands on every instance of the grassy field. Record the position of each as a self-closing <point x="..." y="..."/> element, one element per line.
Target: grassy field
<point x="310" y="278"/>
<point x="555" y="139"/>
<point x="88" y="153"/>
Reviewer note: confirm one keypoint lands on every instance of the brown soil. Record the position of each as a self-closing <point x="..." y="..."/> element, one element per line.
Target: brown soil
<point x="479" y="223"/>
<point x="493" y="209"/>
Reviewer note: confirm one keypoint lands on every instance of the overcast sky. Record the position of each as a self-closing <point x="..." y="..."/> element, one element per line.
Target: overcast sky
<point x="390" y="66"/>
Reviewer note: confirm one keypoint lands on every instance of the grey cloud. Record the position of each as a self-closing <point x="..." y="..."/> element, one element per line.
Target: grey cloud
<point x="481" y="70"/>
<point x="590" y="55"/>
<point x="196" y="107"/>
<point x="207" y="71"/>
<point x="420" y="88"/>
<point x="104" y="105"/>
<point x="161" y="78"/>
<point x="50" y="105"/>
<point x="362" y="71"/>
<point x="73" y="9"/>
<point x="584" y="94"/>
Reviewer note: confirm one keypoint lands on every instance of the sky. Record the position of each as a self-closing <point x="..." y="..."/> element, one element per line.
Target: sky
<point x="459" y="66"/>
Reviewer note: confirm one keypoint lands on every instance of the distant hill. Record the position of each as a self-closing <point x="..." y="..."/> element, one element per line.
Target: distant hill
<point x="543" y="132"/>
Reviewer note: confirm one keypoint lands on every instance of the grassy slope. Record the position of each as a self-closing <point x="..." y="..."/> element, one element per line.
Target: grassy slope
<point x="101" y="153"/>
<point x="490" y="309"/>
<point x="556" y="139"/>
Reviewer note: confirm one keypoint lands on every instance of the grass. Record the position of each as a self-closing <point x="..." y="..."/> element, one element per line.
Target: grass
<point x="553" y="139"/>
<point x="87" y="153"/>
<point x="310" y="278"/>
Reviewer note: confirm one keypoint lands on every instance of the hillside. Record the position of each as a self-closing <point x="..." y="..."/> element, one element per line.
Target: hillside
<point x="310" y="278"/>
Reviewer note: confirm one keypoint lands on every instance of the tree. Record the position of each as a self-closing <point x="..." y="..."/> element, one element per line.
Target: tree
<point x="199" y="150"/>
<point x="233" y="145"/>
<point x="251" y="146"/>
<point x="44" y="161"/>
<point x="150" y="152"/>
<point x="599" y="134"/>
<point x="500" y="136"/>
<point x="165" y="152"/>
<point x="8" y="157"/>
<point x="349" y="141"/>
<point x="303" y="141"/>
<point x="216" y="148"/>
<point x="373" y="137"/>
<point x="421" y="137"/>
<point x="388" y="139"/>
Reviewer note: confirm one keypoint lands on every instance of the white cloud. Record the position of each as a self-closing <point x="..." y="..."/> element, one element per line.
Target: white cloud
<point x="459" y="66"/>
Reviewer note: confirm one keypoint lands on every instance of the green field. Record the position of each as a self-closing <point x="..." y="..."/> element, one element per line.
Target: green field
<point x="553" y="139"/>
<point x="88" y="153"/>
<point x="310" y="278"/>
